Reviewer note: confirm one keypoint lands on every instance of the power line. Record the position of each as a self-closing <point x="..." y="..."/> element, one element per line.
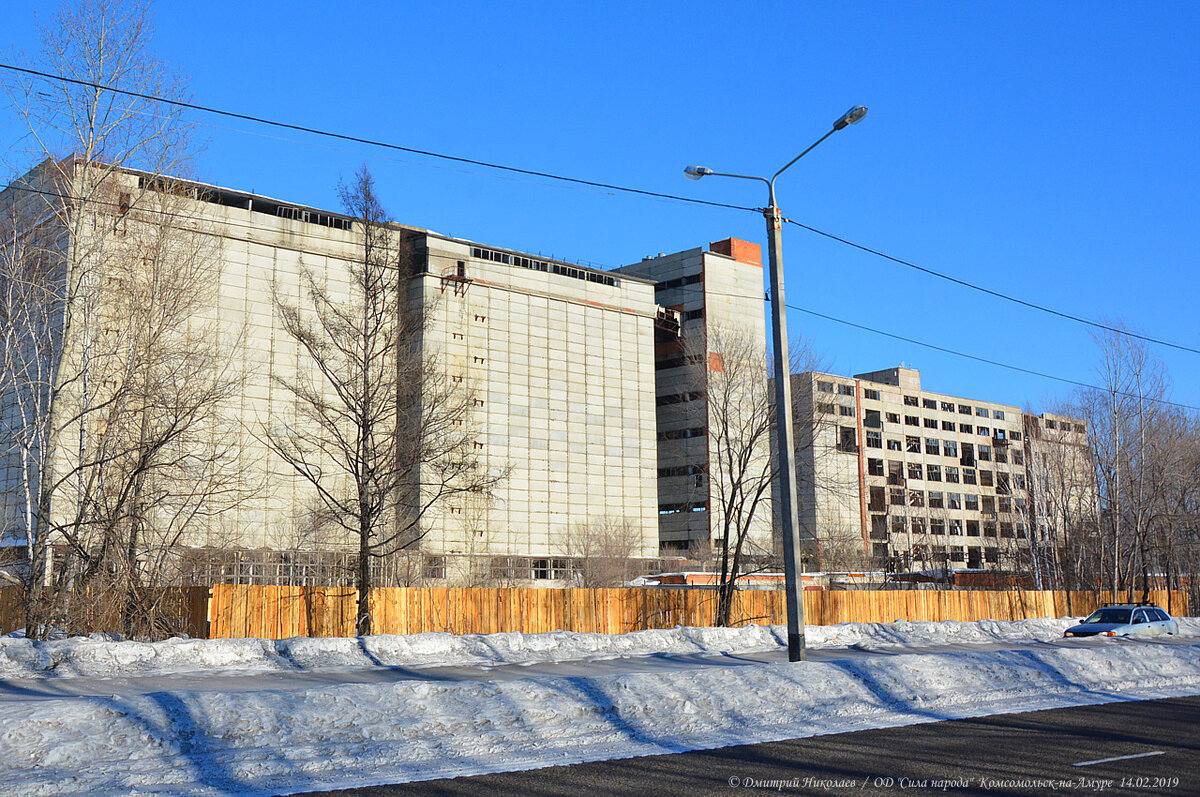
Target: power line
<point x="996" y="294"/>
<point x="372" y="142"/>
<point x="986" y="361"/>
<point x="607" y="187"/>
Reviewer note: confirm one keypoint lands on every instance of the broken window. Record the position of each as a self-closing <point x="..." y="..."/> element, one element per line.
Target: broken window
<point x="916" y="498"/>
<point x="972" y="528"/>
<point x="998" y="414"/>
<point x="964" y="409"/>
<point x="917" y="524"/>
<point x="873" y="395"/>
<point x="954" y="500"/>
<point x="989" y="504"/>
<point x="971" y="503"/>
<point x="968" y="476"/>
<point x="892" y="417"/>
<point x="894" y="445"/>
<point x="877" y="499"/>
<point x="947" y="406"/>
<point x="952" y="474"/>
<point x="929" y="404"/>
<point x="950" y="448"/>
<point x="931" y="423"/>
<point x="911" y="401"/>
<point x="872" y="419"/>
<point x="912" y="420"/>
<point x="1001" y="455"/>
<point x="914" y="470"/>
<point x="933" y="473"/>
<point x="895" y="472"/>
<point x="985" y="453"/>
<point x="874" y="439"/>
<point x="954" y="526"/>
<point x="847" y="440"/>
<point x="875" y="467"/>
<point x="845" y="411"/>
<point x="825" y="387"/>
<point x="937" y="525"/>
<point x="937" y="500"/>
<point x="982" y="412"/>
<point x="933" y="446"/>
<point x="896" y="496"/>
<point x="912" y="444"/>
<point x="846" y="390"/>
<point x="985" y="478"/>
<point x="989" y="528"/>
<point x="947" y="426"/>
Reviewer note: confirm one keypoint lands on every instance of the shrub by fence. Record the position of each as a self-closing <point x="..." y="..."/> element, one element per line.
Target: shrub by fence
<point x="236" y="611"/>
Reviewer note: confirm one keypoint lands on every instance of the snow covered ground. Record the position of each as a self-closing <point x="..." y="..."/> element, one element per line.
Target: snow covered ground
<point x="189" y="740"/>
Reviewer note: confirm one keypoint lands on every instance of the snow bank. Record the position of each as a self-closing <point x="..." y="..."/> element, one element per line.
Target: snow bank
<point x="266" y="742"/>
<point x="100" y="656"/>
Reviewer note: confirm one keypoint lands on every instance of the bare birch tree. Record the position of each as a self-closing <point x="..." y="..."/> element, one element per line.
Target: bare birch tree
<point x="110" y="381"/>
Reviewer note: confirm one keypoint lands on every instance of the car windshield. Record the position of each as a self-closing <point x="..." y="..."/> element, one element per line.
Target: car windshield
<point x="1118" y="616"/>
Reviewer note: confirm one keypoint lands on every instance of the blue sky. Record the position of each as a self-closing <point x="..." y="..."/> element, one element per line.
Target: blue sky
<point x="1048" y="150"/>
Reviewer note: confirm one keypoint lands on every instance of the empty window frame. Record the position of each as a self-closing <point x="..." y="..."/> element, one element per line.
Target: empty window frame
<point x="937" y="525"/>
<point x="894" y="445"/>
<point x="950" y="448"/>
<point x="933" y="446"/>
<point x="846" y="390"/>
<point x="985" y="478"/>
<point x="875" y="467"/>
<point x="874" y="439"/>
<point x="966" y="428"/>
<point x="998" y="415"/>
<point x="914" y="470"/>
<point x="912" y="420"/>
<point x="929" y="404"/>
<point x="964" y="409"/>
<point x="825" y="387"/>
<point x="933" y="473"/>
<point x="947" y="426"/>
<point x="968" y="475"/>
<point x="951" y="474"/>
<point x="845" y="411"/>
<point x="971" y="502"/>
<point x="982" y="412"/>
<point x="892" y="417"/>
<point x="896" y="496"/>
<point x="954" y="500"/>
<point x="868" y="393"/>
<point x="937" y="500"/>
<point x="947" y="406"/>
<point x="972" y="528"/>
<point x="911" y="401"/>
<point x="931" y="423"/>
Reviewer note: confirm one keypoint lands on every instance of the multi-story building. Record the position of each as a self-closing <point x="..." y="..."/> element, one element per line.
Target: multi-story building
<point x="713" y="413"/>
<point x="559" y="359"/>
<point x="909" y="478"/>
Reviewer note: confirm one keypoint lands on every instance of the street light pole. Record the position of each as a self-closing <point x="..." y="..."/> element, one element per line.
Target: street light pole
<point x="785" y="439"/>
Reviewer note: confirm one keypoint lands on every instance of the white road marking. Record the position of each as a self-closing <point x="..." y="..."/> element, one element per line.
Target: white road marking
<point x="1118" y="758"/>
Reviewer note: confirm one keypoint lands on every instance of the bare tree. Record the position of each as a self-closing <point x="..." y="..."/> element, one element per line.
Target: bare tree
<point x="603" y="551"/>
<point x="382" y="433"/>
<point x="111" y="382"/>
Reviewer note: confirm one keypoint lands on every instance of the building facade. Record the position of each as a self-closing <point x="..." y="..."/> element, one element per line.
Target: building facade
<point x="714" y="457"/>
<point x="558" y="359"/>
<point x="908" y="478"/>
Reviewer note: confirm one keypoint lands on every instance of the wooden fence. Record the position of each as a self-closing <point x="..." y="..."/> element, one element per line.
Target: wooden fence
<point x="281" y="612"/>
<point x="236" y="611"/>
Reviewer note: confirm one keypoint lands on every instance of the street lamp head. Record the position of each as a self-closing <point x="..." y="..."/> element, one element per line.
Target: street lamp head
<point x="850" y="117"/>
<point x="696" y="172"/>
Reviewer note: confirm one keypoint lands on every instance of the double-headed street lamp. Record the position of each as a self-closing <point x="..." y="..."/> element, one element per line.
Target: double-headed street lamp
<point x="783" y="390"/>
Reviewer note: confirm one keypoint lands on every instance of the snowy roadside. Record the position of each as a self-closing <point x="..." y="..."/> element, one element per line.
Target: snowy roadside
<point x="100" y="656"/>
<point x="274" y="742"/>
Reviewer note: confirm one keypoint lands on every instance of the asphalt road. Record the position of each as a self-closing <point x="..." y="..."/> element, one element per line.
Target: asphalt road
<point x="1059" y="751"/>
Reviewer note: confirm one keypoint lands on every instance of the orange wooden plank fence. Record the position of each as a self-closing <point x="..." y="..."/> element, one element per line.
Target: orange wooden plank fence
<point x="281" y="612"/>
<point x="238" y="611"/>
